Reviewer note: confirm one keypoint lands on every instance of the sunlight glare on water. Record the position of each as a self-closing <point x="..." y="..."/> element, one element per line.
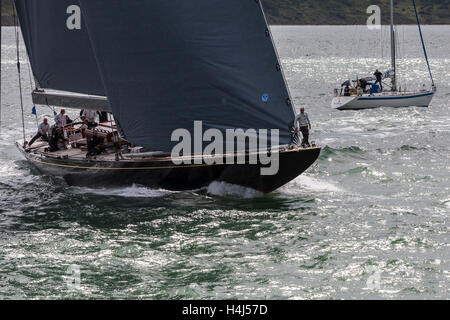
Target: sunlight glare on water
<point x="377" y="200"/>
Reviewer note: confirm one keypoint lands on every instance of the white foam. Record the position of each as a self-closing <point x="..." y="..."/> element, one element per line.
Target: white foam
<point x="11" y="175"/>
<point x="134" y="191"/>
<point x="223" y="189"/>
<point x="304" y="182"/>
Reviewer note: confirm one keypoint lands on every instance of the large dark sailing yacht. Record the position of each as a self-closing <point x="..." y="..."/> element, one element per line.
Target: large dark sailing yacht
<point x="157" y="66"/>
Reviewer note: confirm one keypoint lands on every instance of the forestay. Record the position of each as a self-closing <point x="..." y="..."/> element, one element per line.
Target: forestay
<point x="166" y="64"/>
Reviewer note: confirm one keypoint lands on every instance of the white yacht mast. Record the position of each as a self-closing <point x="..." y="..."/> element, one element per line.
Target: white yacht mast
<point x="393" y="49"/>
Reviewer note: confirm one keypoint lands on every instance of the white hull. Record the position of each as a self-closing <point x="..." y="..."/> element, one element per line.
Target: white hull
<point x="389" y="99"/>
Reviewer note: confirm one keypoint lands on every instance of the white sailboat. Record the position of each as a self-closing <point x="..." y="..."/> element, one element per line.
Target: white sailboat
<point x="358" y="99"/>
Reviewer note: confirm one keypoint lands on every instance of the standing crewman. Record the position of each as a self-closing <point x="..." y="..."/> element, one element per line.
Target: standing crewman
<point x="61" y="119"/>
<point x="90" y="116"/>
<point x="302" y="122"/>
<point x="379" y="75"/>
<point x="42" y="133"/>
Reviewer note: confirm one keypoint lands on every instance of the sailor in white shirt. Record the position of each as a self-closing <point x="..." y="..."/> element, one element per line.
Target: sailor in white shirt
<point x="61" y="119"/>
<point x="302" y="122"/>
<point x="43" y="131"/>
<point x="90" y="116"/>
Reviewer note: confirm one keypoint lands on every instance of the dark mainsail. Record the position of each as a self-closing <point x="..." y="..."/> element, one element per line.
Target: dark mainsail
<point x="59" y="50"/>
<point x="166" y="64"/>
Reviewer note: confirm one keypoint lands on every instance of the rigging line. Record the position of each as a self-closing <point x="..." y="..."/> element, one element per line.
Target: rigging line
<point x="384" y="35"/>
<point x="29" y="74"/>
<point x="401" y="51"/>
<point x="18" y="70"/>
<point x="1" y="10"/>
<point x="51" y="108"/>
<point x="353" y="38"/>
<point x="386" y="42"/>
<point x="381" y="40"/>
<point x="358" y="46"/>
<point x="34" y="86"/>
<point x="404" y="54"/>
<point x="358" y="30"/>
<point x="31" y="88"/>
<point x="423" y="43"/>
<point x="398" y="54"/>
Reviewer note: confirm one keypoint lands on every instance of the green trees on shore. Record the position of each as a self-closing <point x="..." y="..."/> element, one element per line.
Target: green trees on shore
<point x="334" y="12"/>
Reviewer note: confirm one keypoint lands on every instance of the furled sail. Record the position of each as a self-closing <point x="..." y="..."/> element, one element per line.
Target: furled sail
<point x="59" y="49"/>
<point x="166" y="64"/>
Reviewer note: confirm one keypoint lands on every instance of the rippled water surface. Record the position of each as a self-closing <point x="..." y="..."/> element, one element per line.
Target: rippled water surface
<point x="369" y="220"/>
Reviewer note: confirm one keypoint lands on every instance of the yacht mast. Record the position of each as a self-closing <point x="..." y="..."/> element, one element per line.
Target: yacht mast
<point x="393" y="49"/>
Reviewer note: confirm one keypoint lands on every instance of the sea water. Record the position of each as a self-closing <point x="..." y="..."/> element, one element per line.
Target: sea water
<point x="369" y="220"/>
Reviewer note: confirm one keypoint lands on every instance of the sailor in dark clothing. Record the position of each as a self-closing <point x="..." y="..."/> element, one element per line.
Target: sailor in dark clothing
<point x="94" y="146"/>
<point x="57" y="141"/>
<point x="346" y="84"/>
<point x="363" y="84"/>
<point x="347" y="91"/>
<point x="379" y="75"/>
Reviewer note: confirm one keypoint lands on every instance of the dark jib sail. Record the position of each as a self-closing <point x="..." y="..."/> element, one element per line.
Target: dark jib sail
<point x="59" y="50"/>
<point x="166" y="64"/>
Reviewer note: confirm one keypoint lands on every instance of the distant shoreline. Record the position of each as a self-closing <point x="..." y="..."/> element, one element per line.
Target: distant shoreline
<point x="8" y="21"/>
<point x="327" y="12"/>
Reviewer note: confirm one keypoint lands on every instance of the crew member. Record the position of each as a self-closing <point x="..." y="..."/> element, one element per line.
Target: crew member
<point x="57" y="140"/>
<point x="302" y="122"/>
<point x="94" y="145"/>
<point x="83" y="128"/>
<point x="379" y="75"/>
<point x="61" y="119"/>
<point x="347" y="91"/>
<point x="42" y="133"/>
<point x="90" y="116"/>
<point x="363" y="84"/>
